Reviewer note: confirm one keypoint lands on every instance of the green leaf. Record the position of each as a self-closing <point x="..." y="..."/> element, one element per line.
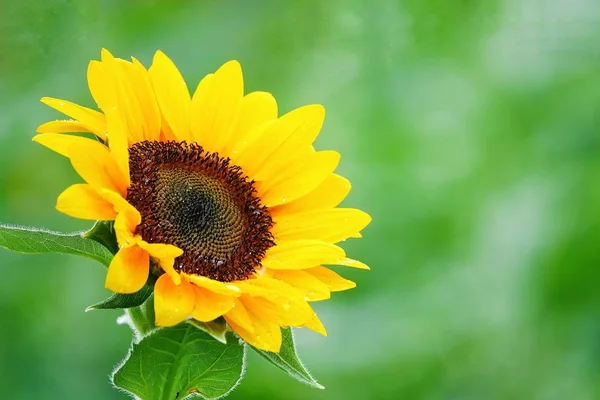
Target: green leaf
<point x="36" y="240"/>
<point x="119" y="300"/>
<point x="178" y="362"/>
<point x="217" y="329"/>
<point x="103" y="232"/>
<point x="287" y="360"/>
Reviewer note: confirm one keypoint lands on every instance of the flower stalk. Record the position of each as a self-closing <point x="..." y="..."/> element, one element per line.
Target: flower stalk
<point x="142" y="317"/>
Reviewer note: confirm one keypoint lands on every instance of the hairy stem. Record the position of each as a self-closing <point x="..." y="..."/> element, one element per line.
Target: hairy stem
<point x="142" y="317"/>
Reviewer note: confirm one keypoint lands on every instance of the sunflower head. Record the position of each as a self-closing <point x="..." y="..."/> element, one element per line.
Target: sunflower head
<point x="229" y="200"/>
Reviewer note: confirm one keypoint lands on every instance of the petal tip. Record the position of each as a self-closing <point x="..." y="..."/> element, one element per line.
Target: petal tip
<point x="106" y="55"/>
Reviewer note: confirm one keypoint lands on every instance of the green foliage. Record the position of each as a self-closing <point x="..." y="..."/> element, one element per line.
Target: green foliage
<point x="287" y="360"/>
<point x="217" y="329"/>
<point x="119" y="300"/>
<point x="36" y="240"/>
<point x="104" y="233"/>
<point x="174" y="363"/>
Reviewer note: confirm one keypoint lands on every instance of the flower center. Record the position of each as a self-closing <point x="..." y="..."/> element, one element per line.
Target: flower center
<point x="200" y="203"/>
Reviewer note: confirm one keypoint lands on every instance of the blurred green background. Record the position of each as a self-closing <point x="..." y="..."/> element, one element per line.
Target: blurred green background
<point x="469" y="130"/>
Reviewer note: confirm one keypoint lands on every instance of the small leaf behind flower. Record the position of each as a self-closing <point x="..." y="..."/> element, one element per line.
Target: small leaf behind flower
<point x="103" y="232"/>
<point x="118" y="300"/>
<point x="35" y="240"/>
<point x="287" y="360"/>
<point x="217" y="328"/>
<point x="181" y="362"/>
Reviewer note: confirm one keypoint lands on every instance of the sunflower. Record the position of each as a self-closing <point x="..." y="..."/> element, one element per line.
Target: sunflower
<point x="230" y="201"/>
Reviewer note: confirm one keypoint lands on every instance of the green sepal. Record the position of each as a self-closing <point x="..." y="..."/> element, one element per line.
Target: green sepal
<point x="103" y="232"/>
<point x="287" y="360"/>
<point x="36" y="241"/>
<point x="179" y="363"/>
<point x="119" y="300"/>
<point x="217" y="329"/>
<point x="142" y="317"/>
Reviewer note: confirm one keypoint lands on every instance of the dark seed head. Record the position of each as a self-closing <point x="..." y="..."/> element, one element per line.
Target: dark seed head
<point x="200" y="203"/>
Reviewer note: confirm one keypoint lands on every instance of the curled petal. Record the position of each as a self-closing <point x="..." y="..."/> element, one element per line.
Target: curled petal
<point x="166" y="255"/>
<point x="128" y="271"/>
<point x="127" y="220"/>
<point x="172" y="303"/>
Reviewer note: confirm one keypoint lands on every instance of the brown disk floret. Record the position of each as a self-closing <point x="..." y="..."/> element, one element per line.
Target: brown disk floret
<point x="202" y="204"/>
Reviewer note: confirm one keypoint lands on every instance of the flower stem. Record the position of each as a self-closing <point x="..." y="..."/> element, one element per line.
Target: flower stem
<point x="142" y="317"/>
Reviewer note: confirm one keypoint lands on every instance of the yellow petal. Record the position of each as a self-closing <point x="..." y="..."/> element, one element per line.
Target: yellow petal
<point x="255" y="109"/>
<point x="166" y="255"/>
<point x="302" y="254"/>
<point x="127" y="220"/>
<point x="266" y="334"/>
<point x="334" y="282"/>
<point x="212" y="285"/>
<point x="102" y="82"/>
<point x="83" y="201"/>
<point x="151" y="123"/>
<point x="60" y="143"/>
<point x="329" y="225"/>
<point x="94" y="163"/>
<point x="299" y="179"/>
<point x="128" y="271"/>
<point x="66" y="126"/>
<point x="125" y="224"/>
<point x="215" y="105"/>
<point x="106" y="55"/>
<point x="161" y="250"/>
<point x="119" y="202"/>
<point x="238" y="316"/>
<point x="101" y="85"/>
<point x="298" y="127"/>
<point x="293" y="147"/>
<point x="348" y="262"/>
<point x="201" y="105"/>
<point x="311" y="287"/>
<point x="166" y="133"/>
<point x="172" y="303"/>
<point x="172" y="95"/>
<point x="210" y="305"/>
<point x="316" y="325"/>
<point x="118" y="143"/>
<point x="124" y="105"/>
<point x="328" y="194"/>
<point x="135" y="100"/>
<point x="267" y="331"/>
<point x="93" y="120"/>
